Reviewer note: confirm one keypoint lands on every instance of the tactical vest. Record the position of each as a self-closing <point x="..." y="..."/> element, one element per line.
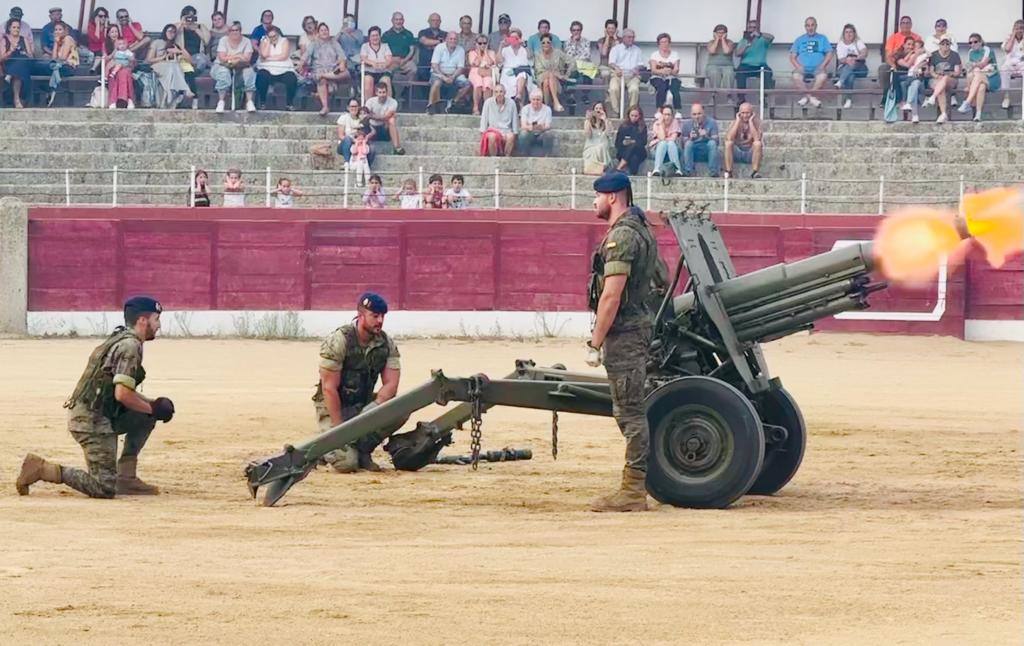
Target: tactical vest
<point x="360" y="369"/>
<point x="649" y="272"/>
<point x="95" y="387"/>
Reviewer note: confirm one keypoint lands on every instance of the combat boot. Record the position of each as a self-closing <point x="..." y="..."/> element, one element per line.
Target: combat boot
<point x="343" y="460"/>
<point x="128" y="484"/>
<point x="631" y="496"/>
<point x="365" y="447"/>
<point x="34" y="469"/>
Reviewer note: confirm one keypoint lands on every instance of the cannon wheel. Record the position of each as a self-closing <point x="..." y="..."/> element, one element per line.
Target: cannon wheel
<point x="707" y="443"/>
<point x="781" y="462"/>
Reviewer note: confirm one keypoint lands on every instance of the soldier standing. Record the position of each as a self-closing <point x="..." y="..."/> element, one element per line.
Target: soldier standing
<point x="106" y="403"/>
<point x="624" y="265"/>
<point x="352" y="358"/>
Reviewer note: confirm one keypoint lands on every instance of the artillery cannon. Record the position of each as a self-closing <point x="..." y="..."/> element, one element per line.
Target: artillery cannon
<point x="721" y="426"/>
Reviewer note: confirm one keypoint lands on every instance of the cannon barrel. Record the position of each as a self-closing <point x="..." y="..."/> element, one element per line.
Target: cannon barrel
<point x="801" y="318"/>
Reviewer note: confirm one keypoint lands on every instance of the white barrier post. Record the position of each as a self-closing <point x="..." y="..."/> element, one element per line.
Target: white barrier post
<point x="192" y="186"/>
<point x="761" y="99"/>
<point x="114" y="198"/>
<point x="497" y="190"/>
<point x="725" y="195"/>
<point x="67" y="187"/>
<point x="803" y="193"/>
<point x="362" y="83"/>
<point x="422" y="187"/>
<point x="881" y="195"/>
<point x="103" y="82"/>
<point x="268" y="185"/>
<point x="622" y="96"/>
<point x="344" y="200"/>
<point x="232" y="89"/>
<point x="648" y="207"/>
<point x="573" y="192"/>
<point x="960" y="204"/>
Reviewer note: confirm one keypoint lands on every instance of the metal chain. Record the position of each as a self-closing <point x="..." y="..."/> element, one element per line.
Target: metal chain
<point x="554" y="434"/>
<point x="475" y="423"/>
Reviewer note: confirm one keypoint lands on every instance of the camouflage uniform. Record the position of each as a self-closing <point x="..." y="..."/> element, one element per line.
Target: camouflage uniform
<point x="95" y="418"/>
<point x="360" y="368"/>
<point x="628" y="248"/>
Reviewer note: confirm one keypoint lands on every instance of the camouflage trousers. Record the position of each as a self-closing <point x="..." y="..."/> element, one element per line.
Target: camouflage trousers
<point x="346" y="458"/>
<point x="625" y="359"/>
<point x="98" y="436"/>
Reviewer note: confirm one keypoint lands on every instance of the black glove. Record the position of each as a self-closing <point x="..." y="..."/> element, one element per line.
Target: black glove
<point x="163" y="409"/>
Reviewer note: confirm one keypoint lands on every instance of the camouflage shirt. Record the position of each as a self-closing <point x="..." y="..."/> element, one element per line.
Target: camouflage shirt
<point x="334" y="348"/>
<point x="116" y="361"/>
<point x="629" y="249"/>
<point x="360" y="366"/>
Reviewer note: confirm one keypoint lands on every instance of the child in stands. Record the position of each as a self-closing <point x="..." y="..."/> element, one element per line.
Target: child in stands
<point x="409" y="197"/>
<point x="375" y="196"/>
<point x="457" y="197"/>
<point x="285" y="194"/>
<point x="234" y="188"/>
<point x="433" y="198"/>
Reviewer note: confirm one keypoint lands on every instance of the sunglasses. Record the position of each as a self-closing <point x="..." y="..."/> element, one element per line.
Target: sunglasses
<point x="481" y="42"/>
<point x="975" y="42"/>
<point x="102" y="15"/>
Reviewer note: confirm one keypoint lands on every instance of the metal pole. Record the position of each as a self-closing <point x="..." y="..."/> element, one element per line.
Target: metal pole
<point x="422" y="187"/>
<point x="192" y="187"/>
<point x="573" y="192"/>
<point x="803" y="193"/>
<point x="497" y="190"/>
<point x="881" y="194"/>
<point x="725" y="195"/>
<point x="648" y="191"/>
<point x="103" y="82"/>
<point x="761" y="99"/>
<point x="960" y="204"/>
<point x="344" y="200"/>
<point x="232" y="89"/>
<point x="114" y="198"/>
<point x="623" y="85"/>
<point x="67" y="187"/>
<point x="885" y="28"/>
<point x="362" y="84"/>
<point x="268" y="185"/>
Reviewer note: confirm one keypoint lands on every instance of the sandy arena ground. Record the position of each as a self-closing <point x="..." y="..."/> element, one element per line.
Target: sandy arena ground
<point x="903" y="526"/>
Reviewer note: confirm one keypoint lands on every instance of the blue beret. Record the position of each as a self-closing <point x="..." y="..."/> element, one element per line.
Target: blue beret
<point x="612" y="182"/>
<point x="373" y="302"/>
<point x="142" y="305"/>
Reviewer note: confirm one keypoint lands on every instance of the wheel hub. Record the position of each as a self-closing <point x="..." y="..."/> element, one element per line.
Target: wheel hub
<point x="697" y="442"/>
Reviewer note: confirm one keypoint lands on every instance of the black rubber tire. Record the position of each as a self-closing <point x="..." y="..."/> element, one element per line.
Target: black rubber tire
<point x="726" y="438"/>
<point x="780" y="462"/>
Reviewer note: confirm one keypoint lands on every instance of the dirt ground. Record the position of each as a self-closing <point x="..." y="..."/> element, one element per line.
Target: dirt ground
<point x="904" y="524"/>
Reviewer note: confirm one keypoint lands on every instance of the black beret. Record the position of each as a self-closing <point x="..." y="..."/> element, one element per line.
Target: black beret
<point x="612" y="182"/>
<point x="142" y="305"/>
<point x="373" y="302"/>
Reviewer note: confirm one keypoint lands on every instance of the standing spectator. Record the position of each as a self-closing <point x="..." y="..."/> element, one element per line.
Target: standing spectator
<point x="234" y="56"/>
<point x="982" y="76"/>
<point x="1014" y="63"/>
<point x="285" y="194"/>
<point x="96" y="32"/>
<point x="328" y="65"/>
<point x="132" y="32"/>
<point x="375" y="196"/>
<point x="552" y="67"/>
<point x="597" y="156"/>
<point x="496" y="39"/>
<point x="26" y="30"/>
<point x="535" y="127"/>
<point x="359" y="162"/>
<point x="577" y="48"/>
<point x="931" y="44"/>
<point x="383" y="110"/>
<point x="631" y="142"/>
<point x="944" y="68"/>
<point x="700" y="141"/>
<point x="753" y="53"/>
<point x="916" y="78"/>
<point x="200" y="195"/>
<point x="64" y="59"/>
<point x="456" y="196"/>
<point x="851" y="52"/>
<point x="351" y="40"/>
<point x="744" y="142"/>
<point x="121" y="86"/>
<point x="516" y="67"/>
<point x="499" y="124"/>
<point x="260" y="32"/>
<point x="377" y="60"/>
<point x="275" y="67"/>
<point x="234" y="185"/>
<point x="169" y="62"/>
<point x="719" y="70"/>
<point x="466" y="37"/>
<point x="16" y="60"/>
<point x="402" y="44"/>
<point x="810" y="56"/>
<point x="448" y="72"/>
<point x="194" y="37"/>
<point x="218" y="29"/>
<point x="434" y="195"/>
<point x="893" y="45"/>
<point x="481" y="65"/>
<point x="665" y="73"/>
<point x="608" y="41"/>
<point x="350" y="124"/>
<point x="429" y="38"/>
<point x="543" y="29"/>
<point x="409" y="197"/>
<point x="624" y="60"/>
<point x="665" y="141"/>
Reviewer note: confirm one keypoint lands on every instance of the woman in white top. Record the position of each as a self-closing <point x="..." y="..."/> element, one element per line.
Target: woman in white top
<point x="166" y="58"/>
<point x="851" y="52"/>
<point x="275" y="66"/>
<point x="376" y="59"/>
<point x="516" y="68"/>
<point x="1014" y="63"/>
<point x="665" y="73"/>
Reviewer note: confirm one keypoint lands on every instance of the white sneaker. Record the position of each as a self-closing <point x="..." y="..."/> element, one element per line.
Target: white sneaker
<point x="847" y="103"/>
<point x="838" y="84"/>
<point x="964" y="108"/>
<point x="942" y="119"/>
<point x="815" y="102"/>
<point x="929" y="101"/>
<point x="977" y="117"/>
<point x="952" y="99"/>
<point x="802" y="102"/>
<point x="113" y="106"/>
<point x="250" y="106"/>
<point x="1006" y="102"/>
<point x="220" y="107"/>
<point x="915" y="119"/>
<point x="905" y="107"/>
<point x="131" y="104"/>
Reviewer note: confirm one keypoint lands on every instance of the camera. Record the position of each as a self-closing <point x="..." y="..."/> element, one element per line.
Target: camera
<point x="191" y="18"/>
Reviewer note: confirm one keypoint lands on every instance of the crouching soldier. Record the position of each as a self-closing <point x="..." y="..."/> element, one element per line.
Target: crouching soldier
<point x="106" y="403"/>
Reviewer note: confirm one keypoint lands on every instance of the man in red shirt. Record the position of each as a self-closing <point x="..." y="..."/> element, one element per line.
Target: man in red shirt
<point x="131" y="31"/>
<point x="892" y="46"/>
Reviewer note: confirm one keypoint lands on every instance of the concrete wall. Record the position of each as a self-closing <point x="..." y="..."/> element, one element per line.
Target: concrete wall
<point x="13" y="266"/>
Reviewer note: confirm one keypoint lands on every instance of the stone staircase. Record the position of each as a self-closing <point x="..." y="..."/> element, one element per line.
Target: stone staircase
<point x="56" y="152"/>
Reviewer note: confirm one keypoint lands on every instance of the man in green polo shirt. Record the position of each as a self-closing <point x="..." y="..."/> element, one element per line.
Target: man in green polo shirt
<point x="403" y="46"/>
<point x="753" y="53"/>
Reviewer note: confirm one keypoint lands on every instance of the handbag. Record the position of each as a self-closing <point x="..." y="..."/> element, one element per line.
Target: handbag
<point x="891" y="113"/>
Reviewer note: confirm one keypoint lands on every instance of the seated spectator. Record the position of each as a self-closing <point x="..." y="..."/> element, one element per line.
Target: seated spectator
<point x="664" y="141"/>
<point x="46" y="33"/>
<point x="48" y="39"/>
<point x="327" y="65"/>
<point x="433" y="197"/>
<point x="234" y="185"/>
<point x="516" y="68"/>
<point x="577" y="48"/>
<point x="597" y="156"/>
<point x="456" y="196"/>
<point x="624" y="60"/>
<point x="552" y="67"/>
<point x="744" y="142"/>
<point x="931" y="44"/>
<point x="448" y="73"/>
<point x="377" y="59"/>
<point x="16" y="13"/>
<point x="194" y="37"/>
<point x="753" y="53"/>
<point x="631" y="142"/>
<point x="402" y="44"/>
<point x="375" y="196"/>
<point x="719" y="70"/>
<point x="893" y="46"/>
<point x="481" y="65"/>
<point x="410" y="197"/>
<point x="275" y="67"/>
<point x="915" y="81"/>
<point x="810" y="56"/>
<point x="63" y="59"/>
<point x="351" y="40"/>
<point x="16" y="60"/>
<point x="234" y="56"/>
<point x="664" y="64"/>
<point x="982" y="76"/>
<point x="904" y="59"/>
<point x="429" y="39"/>
<point x="285" y="193"/>
<point x="543" y="29"/>
<point x="944" y="68"/>
<point x="700" y="141"/>
<point x="466" y="36"/>
<point x="169" y="63"/>
<point x="350" y="124"/>
<point x="132" y="32"/>
<point x="218" y="29"/>
<point x="496" y="40"/>
<point x="499" y="124"/>
<point x="608" y="41"/>
<point x="535" y="127"/>
<point x="200" y="194"/>
<point x="120" y="84"/>
<point x="96" y="32"/>
<point x="851" y="52"/>
<point x="260" y="32"/>
<point x="308" y="35"/>
<point x="383" y="118"/>
<point x="1014" y="63"/>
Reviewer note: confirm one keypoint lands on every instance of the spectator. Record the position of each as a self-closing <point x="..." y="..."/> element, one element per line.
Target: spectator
<point x="234" y="185"/>
<point x="915" y="81"/>
<point x="26" y="30"/>
<point x="429" y="38"/>
<point x="810" y="56"/>
<point x="744" y="142"/>
<point x="350" y="124"/>
<point x="434" y="196"/>
<point x="499" y="124"/>
<point x="113" y="33"/>
<point x="577" y="48"/>
<point x="409" y="197"/>
<point x="664" y="141"/>
<point x="132" y="32"/>
<point x="275" y="67"/>
<point x="64" y="59"/>
<point x="285" y="193"/>
<point x="1014" y="63"/>
<point x="700" y="141"/>
<point x="496" y="40"/>
<point x="375" y="196"/>
<point x="402" y="43"/>
<point x="719" y="70"/>
<point x="351" y="40"/>
<point x="194" y="38"/>
<point x="377" y="58"/>
<point x="624" y="61"/>
<point x="234" y="56"/>
<point x="218" y="29"/>
<point x="931" y="44"/>
<point x="893" y="44"/>
<point x="535" y="127"/>
<point x="753" y="53"/>
<point x="543" y="29"/>
<point x="448" y="72"/>
<point x="456" y="196"/>
<point x="596" y="147"/>
<point x="120" y="85"/>
<point x="308" y="35"/>
<point x="664" y="65"/>
<point x="383" y="120"/>
<point x="631" y="142"/>
<point x="466" y="37"/>
<point x="48" y="39"/>
<point x="904" y="59"/>
<point x="260" y="32"/>
<point x="516" y="68"/>
<point x="944" y="68"/>
<point x="608" y="41"/>
<point x="982" y="75"/>
<point x="851" y="52"/>
<point x="169" y="63"/>
<point x="200" y="194"/>
<point x="16" y="60"/>
<point x="96" y="32"/>
<point x="552" y="67"/>
<point x="359" y="163"/>
<point x="328" y="66"/>
<point x="481" y="65"/>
